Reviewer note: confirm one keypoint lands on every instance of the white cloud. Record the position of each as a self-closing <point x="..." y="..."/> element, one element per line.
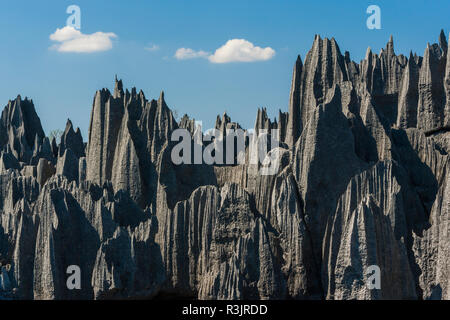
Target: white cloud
<point x="187" y="53"/>
<point x="152" y="48"/>
<point x="234" y="50"/>
<point x="72" y="40"/>
<point x="241" y="50"/>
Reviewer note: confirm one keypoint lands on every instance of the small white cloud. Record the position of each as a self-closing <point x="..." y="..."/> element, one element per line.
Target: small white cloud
<point x="187" y="53"/>
<point x="72" y="40"/>
<point x="241" y="50"/>
<point x="65" y="34"/>
<point x="152" y="48"/>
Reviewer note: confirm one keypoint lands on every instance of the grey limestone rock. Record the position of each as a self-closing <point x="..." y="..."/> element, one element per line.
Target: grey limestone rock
<point x="71" y="139"/>
<point x="362" y="180"/>
<point x="431" y="101"/>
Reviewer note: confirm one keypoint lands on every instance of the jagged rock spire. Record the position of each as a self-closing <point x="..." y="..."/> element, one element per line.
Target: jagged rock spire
<point x="118" y="88"/>
<point x="221" y="123"/>
<point x="407" y="105"/>
<point x="390" y="46"/>
<point x="443" y="42"/>
<point x="138" y="218"/>
<point x="431" y="102"/>
<point x="262" y="120"/>
<point x="21" y="125"/>
<point x="71" y="139"/>
<point x="106" y="117"/>
<point x="294" y="124"/>
<point x="283" y="118"/>
<point x="188" y="124"/>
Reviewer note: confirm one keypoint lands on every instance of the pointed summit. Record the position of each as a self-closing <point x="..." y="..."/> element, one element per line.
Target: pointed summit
<point x="71" y="139"/>
<point x="161" y="96"/>
<point x="411" y="56"/>
<point x="261" y="118"/>
<point x="294" y="124"/>
<point x="368" y="53"/>
<point x="347" y="57"/>
<point x="20" y="123"/>
<point x="443" y="41"/>
<point x="298" y="65"/>
<point x="408" y="95"/>
<point x="431" y="99"/>
<point x="390" y="46"/>
<point x="68" y="125"/>
<point x="161" y="103"/>
<point x="316" y="43"/>
<point x="118" y="88"/>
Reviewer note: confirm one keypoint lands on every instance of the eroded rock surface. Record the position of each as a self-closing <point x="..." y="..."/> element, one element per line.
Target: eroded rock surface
<point x="362" y="182"/>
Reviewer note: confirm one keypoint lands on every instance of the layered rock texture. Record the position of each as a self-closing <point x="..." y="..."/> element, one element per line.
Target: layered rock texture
<point x="363" y="181"/>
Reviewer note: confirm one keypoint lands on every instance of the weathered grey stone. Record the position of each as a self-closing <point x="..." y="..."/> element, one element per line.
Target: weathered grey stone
<point x="324" y="162"/>
<point x="407" y="104"/>
<point x="188" y="124"/>
<point x="362" y="180"/>
<point x="324" y="67"/>
<point x="300" y="267"/>
<point x="106" y="116"/>
<point x="369" y="227"/>
<point x="432" y="250"/>
<point x="8" y="161"/>
<point x="71" y="139"/>
<point x="129" y="264"/>
<point x="431" y="103"/>
<point x="294" y="123"/>
<point x="68" y="165"/>
<point x="20" y="126"/>
<point x="82" y="169"/>
<point x="45" y="169"/>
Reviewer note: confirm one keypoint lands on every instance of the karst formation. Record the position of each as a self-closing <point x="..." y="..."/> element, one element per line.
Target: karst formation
<point x="363" y="180"/>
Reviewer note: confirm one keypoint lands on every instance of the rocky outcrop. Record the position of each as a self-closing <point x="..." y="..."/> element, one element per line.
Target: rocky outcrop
<point x="225" y="245"/>
<point x="370" y="227"/>
<point x="126" y="134"/>
<point x="431" y="101"/>
<point x="106" y="117"/>
<point x="294" y="120"/>
<point x="326" y="143"/>
<point x="432" y="248"/>
<point x="73" y="140"/>
<point x="407" y="104"/>
<point x="324" y="68"/>
<point x="20" y="127"/>
<point x="129" y="264"/>
<point x="359" y="184"/>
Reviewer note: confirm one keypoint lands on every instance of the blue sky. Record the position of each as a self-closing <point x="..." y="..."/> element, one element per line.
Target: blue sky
<point x="62" y="84"/>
